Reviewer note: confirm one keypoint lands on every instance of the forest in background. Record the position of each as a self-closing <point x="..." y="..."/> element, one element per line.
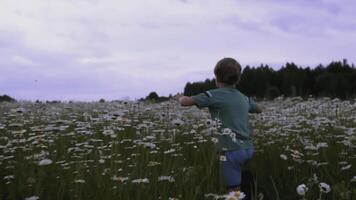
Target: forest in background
<point x="336" y="80"/>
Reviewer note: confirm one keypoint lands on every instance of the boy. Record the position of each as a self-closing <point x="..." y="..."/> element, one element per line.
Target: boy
<point x="231" y="108"/>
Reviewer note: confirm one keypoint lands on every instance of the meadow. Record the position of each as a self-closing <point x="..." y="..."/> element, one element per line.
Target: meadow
<point x="143" y="150"/>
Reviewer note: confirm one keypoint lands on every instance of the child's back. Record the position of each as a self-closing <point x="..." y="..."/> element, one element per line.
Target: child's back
<point x="231" y="108"/>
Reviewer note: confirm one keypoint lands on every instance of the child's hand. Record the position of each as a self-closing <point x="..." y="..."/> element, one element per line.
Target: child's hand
<point x="184" y="100"/>
<point x="177" y="96"/>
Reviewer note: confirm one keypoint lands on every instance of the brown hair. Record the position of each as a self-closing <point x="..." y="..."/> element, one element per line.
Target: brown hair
<point x="228" y="71"/>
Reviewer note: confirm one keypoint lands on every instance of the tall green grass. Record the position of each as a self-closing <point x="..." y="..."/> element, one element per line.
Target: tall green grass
<point x="90" y="165"/>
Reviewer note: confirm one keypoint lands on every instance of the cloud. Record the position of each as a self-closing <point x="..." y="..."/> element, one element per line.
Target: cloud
<point x="22" y="61"/>
<point x="88" y="49"/>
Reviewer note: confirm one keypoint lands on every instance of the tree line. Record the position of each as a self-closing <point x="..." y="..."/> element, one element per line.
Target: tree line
<point x="337" y="79"/>
<point x="6" y="98"/>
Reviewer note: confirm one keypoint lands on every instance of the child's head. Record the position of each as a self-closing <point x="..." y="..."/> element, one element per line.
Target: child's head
<point x="227" y="71"/>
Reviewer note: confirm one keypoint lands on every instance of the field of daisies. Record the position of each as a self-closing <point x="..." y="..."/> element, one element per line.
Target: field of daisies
<point x="304" y="149"/>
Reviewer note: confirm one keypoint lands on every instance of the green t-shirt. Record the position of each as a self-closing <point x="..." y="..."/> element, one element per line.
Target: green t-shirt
<point x="231" y="108"/>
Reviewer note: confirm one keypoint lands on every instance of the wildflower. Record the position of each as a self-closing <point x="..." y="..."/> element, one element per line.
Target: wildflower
<point x="311" y="147"/>
<point x="45" y="162"/>
<point x="209" y="122"/>
<point x="149" y="145"/>
<point x="9" y="177"/>
<point x="235" y="195"/>
<point x="322" y="163"/>
<point x="123" y="179"/>
<point x="226" y="131"/>
<point x="322" y="145"/>
<point x="324" y="188"/>
<point x="166" y="178"/>
<point x="353" y="179"/>
<point x="215" y="140"/>
<point x="233" y="135"/>
<point x="141" y="180"/>
<point x="284" y="157"/>
<point x="120" y="178"/>
<point x="177" y="122"/>
<point x="217" y="123"/>
<point x="108" y="132"/>
<point x="346" y="167"/>
<point x="215" y="196"/>
<point x="222" y="158"/>
<point x="79" y="181"/>
<point x="169" y="151"/>
<point x="32" y="198"/>
<point x="343" y="163"/>
<point x="302" y="189"/>
<point x="153" y="163"/>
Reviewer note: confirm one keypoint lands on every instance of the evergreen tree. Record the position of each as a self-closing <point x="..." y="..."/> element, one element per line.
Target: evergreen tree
<point x="6" y="98"/>
<point x="338" y="79"/>
<point x="152" y="96"/>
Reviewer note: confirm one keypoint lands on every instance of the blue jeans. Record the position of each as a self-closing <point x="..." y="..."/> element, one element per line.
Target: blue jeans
<point x="230" y="166"/>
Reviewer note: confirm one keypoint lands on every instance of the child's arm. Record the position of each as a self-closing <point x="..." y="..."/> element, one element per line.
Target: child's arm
<point x="258" y="109"/>
<point x="254" y="107"/>
<point x="201" y="100"/>
<point x="184" y="100"/>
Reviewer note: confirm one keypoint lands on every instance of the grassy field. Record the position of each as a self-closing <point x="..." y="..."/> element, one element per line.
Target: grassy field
<point x="130" y="150"/>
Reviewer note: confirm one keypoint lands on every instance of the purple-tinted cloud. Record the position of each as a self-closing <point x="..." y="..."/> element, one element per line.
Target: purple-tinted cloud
<point x="86" y="50"/>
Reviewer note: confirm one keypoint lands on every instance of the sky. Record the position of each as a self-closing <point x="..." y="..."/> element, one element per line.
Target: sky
<point x="123" y="49"/>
